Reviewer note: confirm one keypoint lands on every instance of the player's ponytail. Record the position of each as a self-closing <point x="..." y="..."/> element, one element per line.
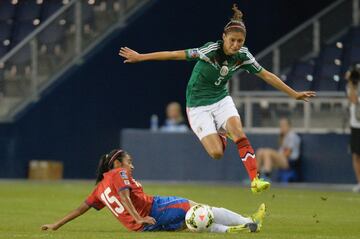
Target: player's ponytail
<point x="236" y="23"/>
<point x="106" y="163"/>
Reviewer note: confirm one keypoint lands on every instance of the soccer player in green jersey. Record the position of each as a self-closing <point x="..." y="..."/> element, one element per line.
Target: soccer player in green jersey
<point x="211" y="111"/>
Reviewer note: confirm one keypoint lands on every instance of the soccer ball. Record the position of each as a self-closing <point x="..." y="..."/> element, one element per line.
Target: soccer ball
<point x="199" y="218"/>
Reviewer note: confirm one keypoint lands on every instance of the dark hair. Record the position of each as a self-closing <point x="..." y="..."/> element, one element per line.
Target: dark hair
<point x="236" y="23"/>
<point x="106" y="162"/>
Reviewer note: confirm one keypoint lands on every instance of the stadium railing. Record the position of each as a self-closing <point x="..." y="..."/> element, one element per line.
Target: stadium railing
<point x="261" y="112"/>
<point x="55" y="46"/>
<point x="263" y="106"/>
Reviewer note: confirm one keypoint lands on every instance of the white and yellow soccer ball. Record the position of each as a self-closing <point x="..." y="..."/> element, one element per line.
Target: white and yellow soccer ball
<point x="199" y="218"/>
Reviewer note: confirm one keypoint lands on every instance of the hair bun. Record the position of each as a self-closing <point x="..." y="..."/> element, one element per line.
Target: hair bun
<point x="238" y="15"/>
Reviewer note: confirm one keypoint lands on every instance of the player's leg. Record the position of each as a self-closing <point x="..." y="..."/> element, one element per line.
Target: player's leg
<point x="355" y="150"/>
<point x="229" y="221"/>
<point x="245" y="150"/>
<point x="169" y="213"/>
<point x="356" y="166"/>
<point x="228" y="118"/>
<point x="229" y="218"/>
<point x="202" y="124"/>
<point x="226" y="217"/>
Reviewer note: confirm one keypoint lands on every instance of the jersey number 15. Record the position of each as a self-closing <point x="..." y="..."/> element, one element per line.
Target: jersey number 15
<point x="109" y="200"/>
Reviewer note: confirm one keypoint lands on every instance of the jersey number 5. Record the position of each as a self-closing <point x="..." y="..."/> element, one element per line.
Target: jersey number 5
<point x="218" y="81"/>
<point x="108" y="200"/>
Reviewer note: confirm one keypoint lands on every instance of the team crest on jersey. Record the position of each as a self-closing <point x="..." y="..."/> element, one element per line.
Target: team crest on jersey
<point x="123" y="175"/>
<point x="194" y="53"/>
<point x="199" y="130"/>
<point x="127" y="182"/>
<point x="224" y="71"/>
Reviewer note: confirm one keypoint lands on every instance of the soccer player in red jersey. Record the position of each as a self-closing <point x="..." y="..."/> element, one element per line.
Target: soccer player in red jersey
<point x="117" y="190"/>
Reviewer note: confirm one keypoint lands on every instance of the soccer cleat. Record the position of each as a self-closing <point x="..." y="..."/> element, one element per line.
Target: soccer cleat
<point x="259" y="215"/>
<point x="250" y="227"/>
<point x="259" y="185"/>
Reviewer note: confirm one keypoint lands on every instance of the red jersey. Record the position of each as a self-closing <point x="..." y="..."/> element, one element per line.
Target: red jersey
<point x="106" y="194"/>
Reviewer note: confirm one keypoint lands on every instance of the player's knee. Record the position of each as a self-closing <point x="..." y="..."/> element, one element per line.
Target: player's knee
<point x="260" y="152"/>
<point x="216" y="153"/>
<point x="237" y="134"/>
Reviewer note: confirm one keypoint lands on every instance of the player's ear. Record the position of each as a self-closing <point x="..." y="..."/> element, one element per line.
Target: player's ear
<point x="117" y="164"/>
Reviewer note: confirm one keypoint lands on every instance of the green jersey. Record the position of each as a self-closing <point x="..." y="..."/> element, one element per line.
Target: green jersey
<point x="213" y="70"/>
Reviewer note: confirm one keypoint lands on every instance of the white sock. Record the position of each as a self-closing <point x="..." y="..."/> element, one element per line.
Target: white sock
<point x="228" y="218"/>
<point x="218" y="228"/>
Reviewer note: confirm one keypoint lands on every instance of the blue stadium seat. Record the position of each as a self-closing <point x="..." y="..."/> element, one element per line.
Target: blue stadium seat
<point x="49" y="8"/>
<point x="300" y="78"/>
<point x="328" y="78"/>
<point x="27" y="11"/>
<point x="87" y="14"/>
<point x="3" y="50"/>
<point x="354" y="37"/>
<point x="354" y="56"/>
<point x="330" y="53"/>
<point x="7" y="11"/>
<point x="52" y="35"/>
<point x="21" y="30"/>
<point x="2" y="86"/>
<point x="5" y="31"/>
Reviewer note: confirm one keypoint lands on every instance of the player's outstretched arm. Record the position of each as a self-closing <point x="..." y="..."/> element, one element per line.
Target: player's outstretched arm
<point x="70" y="216"/>
<point x="132" y="56"/>
<point x="129" y="206"/>
<point x="273" y="80"/>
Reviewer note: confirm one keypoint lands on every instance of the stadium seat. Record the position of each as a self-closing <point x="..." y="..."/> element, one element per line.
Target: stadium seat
<point x="327" y="78"/>
<point x="5" y="32"/>
<point x="7" y="11"/>
<point x="301" y="76"/>
<point x="354" y="37"/>
<point x="3" y="50"/>
<point x="354" y="56"/>
<point x="329" y="54"/>
<point x="52" y="34"/>
<point x="21" y="30"/>
<point x="2" y="86"/>
<point x="27" y="11"/>
<point x="49" y="8"/>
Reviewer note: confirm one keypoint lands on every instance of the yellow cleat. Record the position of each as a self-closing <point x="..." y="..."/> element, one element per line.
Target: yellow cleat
<point x="259" y="215"/>
<point x="250" y="227"/>
<point x="259" y="185"/>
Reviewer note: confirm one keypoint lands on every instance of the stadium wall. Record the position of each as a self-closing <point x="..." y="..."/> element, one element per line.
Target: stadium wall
<point x="170" y="156"/>
<point x="81" y="116"/>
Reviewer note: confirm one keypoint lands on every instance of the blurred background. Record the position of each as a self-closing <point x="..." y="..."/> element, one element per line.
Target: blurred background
<point x="66" y="97"/>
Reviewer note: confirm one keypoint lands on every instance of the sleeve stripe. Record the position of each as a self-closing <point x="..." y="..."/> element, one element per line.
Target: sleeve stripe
<point x="248" y="61"/>
<point x="209" y="48"/>
<point x="211" y="45"/>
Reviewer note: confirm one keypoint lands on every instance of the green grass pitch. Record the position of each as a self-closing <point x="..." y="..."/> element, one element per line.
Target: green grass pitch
<point x="292" y="213"/>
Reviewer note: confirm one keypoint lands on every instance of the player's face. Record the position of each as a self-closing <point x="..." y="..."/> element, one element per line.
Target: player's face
<point x="127" y="163"/>
<point x="233" y="41"/>
<point x="284" y="126"/>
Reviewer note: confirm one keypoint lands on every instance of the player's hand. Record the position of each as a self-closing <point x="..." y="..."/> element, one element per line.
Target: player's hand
<point x="130" y="55"/>
<point x="305" y="95"/>
<point x="147" y="220"/>
<point x="53" y="227"/>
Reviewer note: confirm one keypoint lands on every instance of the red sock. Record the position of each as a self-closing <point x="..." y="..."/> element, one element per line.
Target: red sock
<point x="247" y="155"/>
